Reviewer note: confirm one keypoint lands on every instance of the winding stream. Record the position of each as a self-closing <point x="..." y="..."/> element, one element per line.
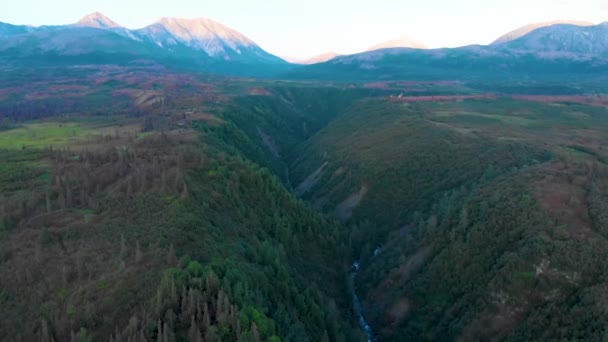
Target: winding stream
<point x="357" y="307"/>
<point x="367" y="329"/>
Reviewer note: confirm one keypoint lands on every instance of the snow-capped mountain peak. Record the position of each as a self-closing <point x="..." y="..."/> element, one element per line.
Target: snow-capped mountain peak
<point x="524" y="30"/>
<point x="199" y="34"/>
<point x="201" y="29"/>
<point x="564" y="39"/>
<point x="198" y="39"/>
<point x="97" y="20"/>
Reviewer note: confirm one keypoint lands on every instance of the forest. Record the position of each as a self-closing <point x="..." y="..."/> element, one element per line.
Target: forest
<point x="159" y="206"/>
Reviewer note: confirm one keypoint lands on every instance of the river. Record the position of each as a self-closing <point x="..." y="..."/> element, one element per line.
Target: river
<point x="367" y="329"/>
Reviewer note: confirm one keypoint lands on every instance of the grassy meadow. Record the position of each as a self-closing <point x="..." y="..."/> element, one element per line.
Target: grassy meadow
<point x="41" y="135"/>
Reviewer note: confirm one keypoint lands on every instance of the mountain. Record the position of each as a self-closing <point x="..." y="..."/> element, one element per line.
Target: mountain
<point x="401" y="42"/>
<point x="190" y="43"/>
<point x="10" y="30"/>
<point x="324" y="57"/>
<point x="470" y="63"/>
<point x="206" y="35"/>
<point x="524" y="30"/>
<point x="551" y="52"/>
<point x="97" y="20"/>
<point x="76" y="42"/>
<point x="564" y="39"/>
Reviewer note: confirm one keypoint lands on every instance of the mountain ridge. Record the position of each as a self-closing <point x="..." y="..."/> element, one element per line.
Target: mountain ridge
<point x="320" y="58"/>
<point x="399" y="42"/>
<point x="203" y="42"/>
<point x="97" y="20"/>
<point x="203" y="34"/>
<point x="524" y="30"/>
<point x="565" y="39"/>
<point x="196" y="42"/>
<point x="552" y="52"/>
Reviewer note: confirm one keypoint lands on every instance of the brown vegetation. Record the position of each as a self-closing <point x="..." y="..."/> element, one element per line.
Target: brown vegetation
<point x="597" y="100"/>
<point x="563" y="193"/>
<point x="440" y="98"/>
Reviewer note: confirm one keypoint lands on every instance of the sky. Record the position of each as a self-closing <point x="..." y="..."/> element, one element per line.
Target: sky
<point x="304" y="28"/>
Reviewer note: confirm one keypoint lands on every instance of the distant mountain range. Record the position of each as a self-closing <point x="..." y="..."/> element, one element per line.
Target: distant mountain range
<point x="558" y="51"/>
<point x="96" y="38"/>
<point x="206" y="45"/>
<point x="401" y="42"/>
<point x="9" y="30"/>
<point x="524" y="30"/>
<point x="566" y="40"/>
<point x="324" y="57"/>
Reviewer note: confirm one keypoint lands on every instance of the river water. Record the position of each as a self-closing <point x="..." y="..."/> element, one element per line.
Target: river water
<point x="367" y="329"/>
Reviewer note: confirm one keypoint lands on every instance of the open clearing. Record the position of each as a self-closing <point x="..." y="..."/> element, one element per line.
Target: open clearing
<point x="38" y="135"/>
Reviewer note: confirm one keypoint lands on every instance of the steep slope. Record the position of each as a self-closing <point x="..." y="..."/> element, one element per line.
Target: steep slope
<point x="524" y="30"/>
<point x="208" y="36"/>
<point x="508" y="262"/>
<point x="100" y="21"/>
<point x="199" y="44"/>
<point x="378" y="145"/>
<point x="568" y="40"/>
<point x="472" y="220"/>
<point x="180" y="236"/>
<point x="97" y="20"/>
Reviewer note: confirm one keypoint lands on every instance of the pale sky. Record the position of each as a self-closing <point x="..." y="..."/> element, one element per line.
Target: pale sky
<point x="303" y="28"/>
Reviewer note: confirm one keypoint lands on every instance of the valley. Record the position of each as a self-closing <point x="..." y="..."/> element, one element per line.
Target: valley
<point x="177" y="182"/>
<point x="174" y="217"/>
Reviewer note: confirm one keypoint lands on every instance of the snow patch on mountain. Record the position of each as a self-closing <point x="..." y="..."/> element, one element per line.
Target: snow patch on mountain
<point x="524" y="30"/>
<point x="566" y="39"/>
<point x="198" y="34"/>
<point x="97" y="20"/>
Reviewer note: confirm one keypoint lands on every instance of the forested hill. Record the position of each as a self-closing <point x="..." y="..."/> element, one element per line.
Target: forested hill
<point x="153" y="226"/>
<point x="173" y="207"/>
<point x="467" y="220"/>
<point x="473" y="219"/>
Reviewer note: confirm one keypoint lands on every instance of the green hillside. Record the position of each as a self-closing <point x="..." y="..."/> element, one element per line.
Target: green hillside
<point x="174" y="207"/>
<point x="124" y="232"/>
<point x="484" y="218"/>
